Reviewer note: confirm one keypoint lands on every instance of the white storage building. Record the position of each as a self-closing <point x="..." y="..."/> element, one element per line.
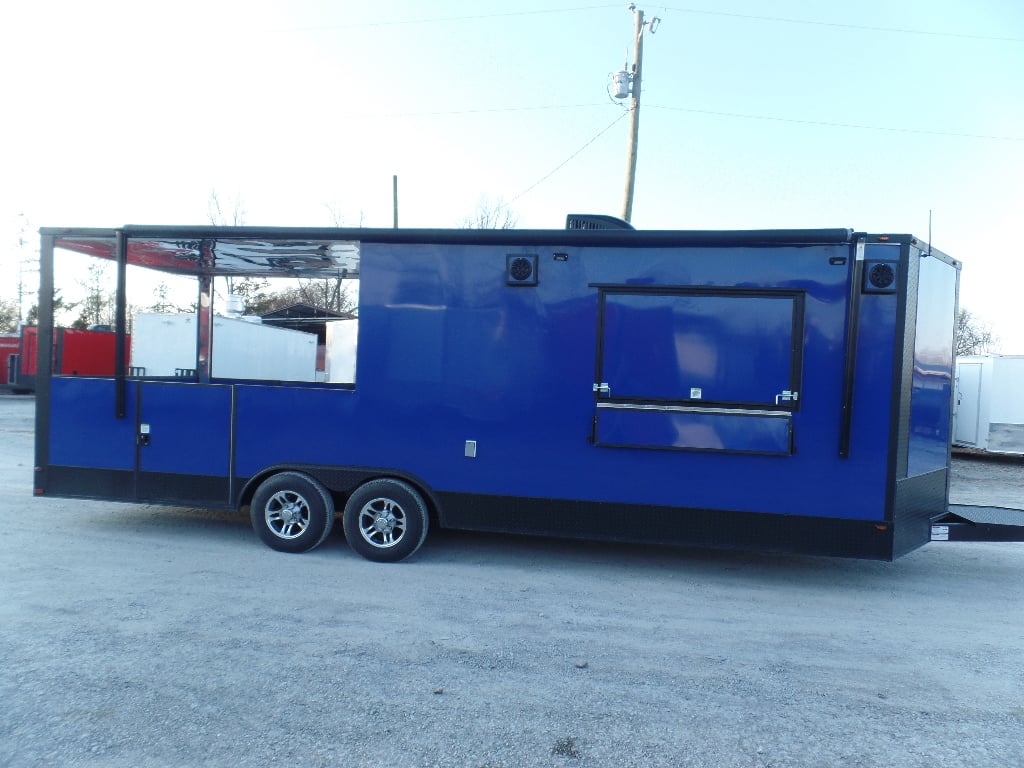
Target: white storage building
<point x="988" y="410"/>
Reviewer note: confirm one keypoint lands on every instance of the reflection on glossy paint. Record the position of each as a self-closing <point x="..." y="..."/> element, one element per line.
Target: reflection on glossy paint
<point x="696" y="355"/>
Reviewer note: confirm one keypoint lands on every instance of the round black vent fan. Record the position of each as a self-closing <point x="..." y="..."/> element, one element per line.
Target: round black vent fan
<point x="520" y="269"/>
<point x="882" y="276"/>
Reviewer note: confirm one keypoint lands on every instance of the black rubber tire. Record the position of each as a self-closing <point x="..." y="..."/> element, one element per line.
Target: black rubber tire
<point x="292" y="512"/>
<point x="397" y="506"/>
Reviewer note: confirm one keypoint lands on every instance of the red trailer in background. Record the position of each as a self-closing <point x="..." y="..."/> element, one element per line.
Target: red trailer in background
<point x="76" y="352"/>
<point x="9" y="343"/>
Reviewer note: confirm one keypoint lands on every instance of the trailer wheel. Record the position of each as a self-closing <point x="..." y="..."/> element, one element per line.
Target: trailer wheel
<point x="292" y="512"/>
<point x="385" y="520"/>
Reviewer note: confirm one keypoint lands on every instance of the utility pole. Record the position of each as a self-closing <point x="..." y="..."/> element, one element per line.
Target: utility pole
<point x="634" y="78"/>
<point x="394" y="196"/>
<point x="22" y="242"/>
<point x="21" y="281"/>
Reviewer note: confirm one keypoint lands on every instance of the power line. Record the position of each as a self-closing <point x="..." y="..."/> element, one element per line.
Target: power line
<point x="714" y="113"/>
<point x="471" y="17"/>
<point x="843" y="25"/>
<point x="569" y="158"/>
<point x="830" y="124"/>
<point x="604" y="7"/>
<point x="492" y="110"/>
<point x="678" y="9"/>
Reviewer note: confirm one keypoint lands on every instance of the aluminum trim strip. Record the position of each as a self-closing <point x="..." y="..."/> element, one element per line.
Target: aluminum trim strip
<point x="695" y="409"/>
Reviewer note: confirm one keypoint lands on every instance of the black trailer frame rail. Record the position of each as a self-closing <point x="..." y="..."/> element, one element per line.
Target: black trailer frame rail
<point x="968" y="522"/>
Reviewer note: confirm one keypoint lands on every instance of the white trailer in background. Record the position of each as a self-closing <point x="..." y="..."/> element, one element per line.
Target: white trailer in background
<point x="989" y="406"/>
<point x="340" y="355"/>
<point x="165" y="345"/>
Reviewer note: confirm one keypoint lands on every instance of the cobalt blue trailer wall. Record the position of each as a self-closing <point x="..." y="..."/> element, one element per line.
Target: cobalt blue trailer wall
<point x="775" y="391"/>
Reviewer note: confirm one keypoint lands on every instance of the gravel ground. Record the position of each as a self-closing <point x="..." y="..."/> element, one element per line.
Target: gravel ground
<point x="997" y="482"/>
<point x="142" y="636"/>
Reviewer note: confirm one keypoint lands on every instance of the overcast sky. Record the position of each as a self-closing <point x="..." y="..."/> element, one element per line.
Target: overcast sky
<point x="754" y="115"/>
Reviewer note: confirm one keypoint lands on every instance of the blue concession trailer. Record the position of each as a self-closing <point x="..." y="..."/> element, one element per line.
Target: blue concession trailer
<point x="777" y="390"/>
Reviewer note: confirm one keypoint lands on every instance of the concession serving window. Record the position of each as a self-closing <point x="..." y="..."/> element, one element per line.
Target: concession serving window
<point x="698" y="368"/>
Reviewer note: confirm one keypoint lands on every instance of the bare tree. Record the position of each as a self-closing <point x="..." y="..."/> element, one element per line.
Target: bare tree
<point x="267" y="301"/>
<point x="973" y="337"/>
<point x="337" y="220"/>
<point x="326" y="293"/>
<point x="163" y="303"/>
<point x="491" y="215"/>
<point x="59" y="307"/>
<point x="8" y="315"/>
<point x="255" y="293"/>
<point x="234" y="218"/>
<point x="98" y="306"/>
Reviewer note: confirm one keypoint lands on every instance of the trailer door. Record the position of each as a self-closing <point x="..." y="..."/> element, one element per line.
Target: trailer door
<point x="698" y="368"/>
<point x="184" y="439"/>
<point x="967" y="407"/>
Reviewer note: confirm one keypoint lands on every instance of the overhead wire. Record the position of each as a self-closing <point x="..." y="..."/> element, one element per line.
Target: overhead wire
<point x="490" y="110"/>
<point x="468" y="17"/>
<point x="831" y="124"/>
<point x="567" y="160"/>
<point x="843" y="25"/>
<point x="679" y="9"/>
<point x="714" y="113"/>
<point x="695" y="11"/>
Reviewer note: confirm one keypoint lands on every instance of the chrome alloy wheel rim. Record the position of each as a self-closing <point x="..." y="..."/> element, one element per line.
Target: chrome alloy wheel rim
<point x="287" y="514"/>
<point x="382" y="523"/>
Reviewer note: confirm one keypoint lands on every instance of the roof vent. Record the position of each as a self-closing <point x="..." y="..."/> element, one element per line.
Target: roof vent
<point x="595" y="221"/>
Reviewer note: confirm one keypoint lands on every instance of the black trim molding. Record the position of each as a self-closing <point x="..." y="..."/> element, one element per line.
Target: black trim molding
<point x="722" y="529"/>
